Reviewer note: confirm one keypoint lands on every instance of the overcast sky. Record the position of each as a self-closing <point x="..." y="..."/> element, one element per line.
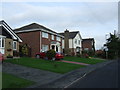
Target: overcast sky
<point x="92" y="19"/>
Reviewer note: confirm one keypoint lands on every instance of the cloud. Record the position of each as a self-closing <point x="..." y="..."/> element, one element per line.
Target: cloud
<point x="91" y="18"/>
<point x="60" y="0"/>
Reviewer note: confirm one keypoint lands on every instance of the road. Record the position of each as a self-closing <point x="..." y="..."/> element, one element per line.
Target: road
<point x="105" y="77"/>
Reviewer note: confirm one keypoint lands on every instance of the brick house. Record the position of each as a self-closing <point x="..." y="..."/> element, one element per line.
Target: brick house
<point x="72" y="42"/>
<point x="88" y="44"/>
<point x="9" y="41"/>
<point x="39" y="38"/>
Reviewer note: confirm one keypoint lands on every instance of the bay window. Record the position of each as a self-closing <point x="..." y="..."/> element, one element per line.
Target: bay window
<point x="44" y="48"/>
<point x="2" y="43"/>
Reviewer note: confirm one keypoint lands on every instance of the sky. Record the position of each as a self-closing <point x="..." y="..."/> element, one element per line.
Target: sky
<point x="92" y="19"/>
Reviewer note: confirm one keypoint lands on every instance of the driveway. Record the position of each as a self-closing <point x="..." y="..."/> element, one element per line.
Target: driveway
<point x="36" y="75"/>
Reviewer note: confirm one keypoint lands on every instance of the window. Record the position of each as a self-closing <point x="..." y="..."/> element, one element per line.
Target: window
<point x="58" y="38"/>
<point x="52" y="37"/>
<point x="44" y="47"/>
<point x="86" y="49"/>
<point x="14" y="45"/>
<point x="75" y="41"/>
<point x="79" y="42"/>
<point x="2" y="43"/>
<point x="45" y="35"/>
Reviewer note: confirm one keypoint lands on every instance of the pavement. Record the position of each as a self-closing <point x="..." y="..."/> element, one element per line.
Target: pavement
<point x="46" y="79"/>
<point x="74" y="62"/>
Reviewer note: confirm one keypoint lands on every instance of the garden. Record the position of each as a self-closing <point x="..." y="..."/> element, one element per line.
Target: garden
<point x="53" y="66"/>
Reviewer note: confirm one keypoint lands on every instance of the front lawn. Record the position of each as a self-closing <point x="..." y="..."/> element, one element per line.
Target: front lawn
<point x="53" y="66"/>
<point x="11" y="81"/>
<point x="83" y="60"/>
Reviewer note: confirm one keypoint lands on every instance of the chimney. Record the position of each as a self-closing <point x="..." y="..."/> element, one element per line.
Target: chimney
<point x="66" y="34"/>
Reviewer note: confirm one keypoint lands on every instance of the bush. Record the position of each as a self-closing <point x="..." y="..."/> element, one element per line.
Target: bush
<point x="85" y="55"/>
<point x="78" y="54"/>
<point x="15" y="53"/>
<point x="50" y="54"/>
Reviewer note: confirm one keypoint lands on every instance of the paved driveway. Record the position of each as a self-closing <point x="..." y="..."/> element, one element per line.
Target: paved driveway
<point x="36" y="75"/>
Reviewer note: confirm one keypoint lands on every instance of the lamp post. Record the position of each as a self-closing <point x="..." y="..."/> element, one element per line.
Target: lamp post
<point x="106" y="50"/>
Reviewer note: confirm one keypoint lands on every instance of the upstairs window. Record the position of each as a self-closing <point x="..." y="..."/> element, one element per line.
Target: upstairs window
<point x="44" y="34"/>
<point x="58" y="38"/>
<point x="75" y="41"/>
<point x="52" y="37"/>
<point x="14" y="45"/>
<point x="79" y="42"/>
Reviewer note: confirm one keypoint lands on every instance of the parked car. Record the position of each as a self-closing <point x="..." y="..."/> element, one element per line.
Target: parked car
<point x="58" y="55"/>
<point x="1" y="57"/>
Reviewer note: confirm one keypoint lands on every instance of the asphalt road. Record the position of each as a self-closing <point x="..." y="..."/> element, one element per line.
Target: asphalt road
<point x="105" y="77"/>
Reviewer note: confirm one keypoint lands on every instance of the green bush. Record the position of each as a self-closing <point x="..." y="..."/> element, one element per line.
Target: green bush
<point x="50" y="54"/>
<point x="78" y="54"/>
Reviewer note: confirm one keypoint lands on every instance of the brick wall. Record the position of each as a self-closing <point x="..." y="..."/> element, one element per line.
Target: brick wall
<point x="87" y="44"/>
<point x="32" y="39"/>
<point x="8" y="45"/>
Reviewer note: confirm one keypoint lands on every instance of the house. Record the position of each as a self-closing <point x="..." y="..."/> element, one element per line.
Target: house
<point x="72" y="42"/>
<point x="9" y="41"/>
<point x="39" y="38"/>
<point x="88" y="45"/>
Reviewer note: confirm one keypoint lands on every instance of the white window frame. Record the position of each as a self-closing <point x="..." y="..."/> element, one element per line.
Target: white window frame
<point x="58" y="38"/>
<point x="75" y="41"/>
<point x="44" y="35"/>
<point x="86" y="49"/>
<point x="44" y="48"/>
<point x="14" y="44"/>
<point x="79" y="42"/>
<point x="2" y="44"/>
<point x="52" y="37"/>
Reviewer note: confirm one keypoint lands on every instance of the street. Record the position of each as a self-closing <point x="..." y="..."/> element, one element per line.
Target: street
<point x="105" y="77"/>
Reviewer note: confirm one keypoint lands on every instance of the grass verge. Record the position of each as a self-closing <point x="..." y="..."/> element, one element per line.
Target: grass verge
<point x="11" y="81"/>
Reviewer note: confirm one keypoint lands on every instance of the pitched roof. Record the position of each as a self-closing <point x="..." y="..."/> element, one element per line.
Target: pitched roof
<point x="88" y="39"/>
<point x="9" y="30"/>
<point x="34" y="27"/>
<point x="71" y="34"/>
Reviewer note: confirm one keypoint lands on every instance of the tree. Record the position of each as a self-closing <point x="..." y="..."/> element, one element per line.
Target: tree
<point x="113" y="46"/>
<point x="24" y="50"/>
<point x="51" y="54"/>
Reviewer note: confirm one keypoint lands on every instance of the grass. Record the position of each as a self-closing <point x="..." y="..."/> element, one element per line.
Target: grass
<point x="11" y="81"/>
<point x="53" y="66"/>
<point x="83" y="60"/>
<point x="0" y="80"/>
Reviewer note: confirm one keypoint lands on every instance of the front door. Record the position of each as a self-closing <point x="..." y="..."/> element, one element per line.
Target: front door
<point x="2" y="45"/>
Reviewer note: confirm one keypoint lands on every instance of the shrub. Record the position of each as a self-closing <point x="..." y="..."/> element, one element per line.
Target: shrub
<point x="50" y="54"/>
<point x="78" y="55"/>
<point x="15" y="53"/>
<point x="85" y="55"/>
